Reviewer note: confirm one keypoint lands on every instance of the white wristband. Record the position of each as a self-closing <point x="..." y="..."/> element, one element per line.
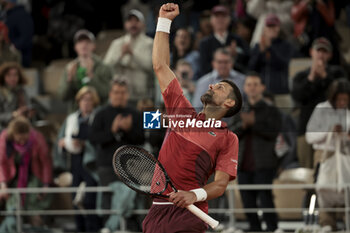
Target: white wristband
<point x="201" y="194"/>
<point x="163" y="25"/>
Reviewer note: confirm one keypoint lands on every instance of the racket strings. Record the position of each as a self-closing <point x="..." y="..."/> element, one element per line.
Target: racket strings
<point x="140" y="171"/>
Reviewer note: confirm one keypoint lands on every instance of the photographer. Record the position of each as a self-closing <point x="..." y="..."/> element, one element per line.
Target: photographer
<point x="184" y="74"/>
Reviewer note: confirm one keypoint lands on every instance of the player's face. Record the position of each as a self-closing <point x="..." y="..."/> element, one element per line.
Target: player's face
<point x="220" y="22"/>
<point x="253" y="86"/>
<point x="118" y="96"/>
<point x="11" y="78"/>
<point x="133" y="26"/>
<point x="217" y="94"/>
<point x="86" y="103"/>
<point x="342" y="101"/>
<point x="84" y="48"/>
<point x="222" y="63"/>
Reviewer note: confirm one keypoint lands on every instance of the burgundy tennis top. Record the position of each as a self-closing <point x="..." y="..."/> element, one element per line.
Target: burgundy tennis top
<point x="191" y="154"/>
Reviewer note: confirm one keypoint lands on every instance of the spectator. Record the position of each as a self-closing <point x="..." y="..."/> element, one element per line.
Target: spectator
<point x="220" y="20"/>
<point x="223" y="65"/>
<point x="260" y="9"/>
<point x="114" y="125"/>
<point x="24" y="162"/>
<point x="257" y="128"/>
<point x="300" y="16"/>
<point x="130" y="56"/>
<point x="21" y="29"/>
<point x="13" y="98"/>
<point x="86" y="70"/>
<point x="74" y="149"/>
<point x="245" y="28"/>
<point x="270" y="58"/>
<point x="184" y="74"/>
<point x="8" y="52"/>
<point x="314" y="19"/>
<point x="183" y="50"/>
<point x="286" y="143"/>
<point x="309" y="89"/>
<point x="205" y="28"/>
<point x="331" y="115"/>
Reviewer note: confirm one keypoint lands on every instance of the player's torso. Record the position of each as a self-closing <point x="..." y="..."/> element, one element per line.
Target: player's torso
<point x="189" y="156"/>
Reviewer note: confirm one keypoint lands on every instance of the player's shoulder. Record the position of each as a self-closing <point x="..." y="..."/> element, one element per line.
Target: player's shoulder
<point x="231" y="137"/>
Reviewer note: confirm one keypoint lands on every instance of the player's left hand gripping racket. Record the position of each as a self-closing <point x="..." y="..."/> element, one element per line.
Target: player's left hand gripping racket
<point x="142" y="172"/>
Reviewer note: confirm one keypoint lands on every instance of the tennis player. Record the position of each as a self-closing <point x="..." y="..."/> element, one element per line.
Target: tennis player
<point x="191" y="156"/>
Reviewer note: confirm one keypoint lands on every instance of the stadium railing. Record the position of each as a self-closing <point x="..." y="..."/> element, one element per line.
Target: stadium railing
<point x="230" y="211"/>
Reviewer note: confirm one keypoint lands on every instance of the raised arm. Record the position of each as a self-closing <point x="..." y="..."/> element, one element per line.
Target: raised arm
<point x="161" y="53"/>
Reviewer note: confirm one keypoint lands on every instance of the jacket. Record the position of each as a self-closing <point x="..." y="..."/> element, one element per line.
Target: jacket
<point x="209" y="44"/>
<point x="10" y="101"/>
<point x="272" y="64"/>
<point x="101" y="82"/>
<point x="136" y="68"/>
<point x="89" y="153"/>
<point x="264" y="132"/>
<point x="322" y="121"/>
<point x="41" y="164"/>
<point x="105" y="141"/>
<point x="308" y="94"/>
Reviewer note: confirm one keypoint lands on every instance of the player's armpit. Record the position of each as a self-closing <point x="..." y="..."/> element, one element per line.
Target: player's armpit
<point x="218" y="186"/>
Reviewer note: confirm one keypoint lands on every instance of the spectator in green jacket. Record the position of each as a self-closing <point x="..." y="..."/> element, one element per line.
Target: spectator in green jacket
<point x="86" y="70"/>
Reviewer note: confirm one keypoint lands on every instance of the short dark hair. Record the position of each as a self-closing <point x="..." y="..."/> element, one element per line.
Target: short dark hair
<point x="339" y="86"/>
<point x="236" y="96"/>
<point x="119" y="81"/>
<point x="252" y="73"/>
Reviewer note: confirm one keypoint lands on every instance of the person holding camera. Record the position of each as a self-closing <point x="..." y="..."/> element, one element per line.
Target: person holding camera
<point x="184" y="73"/>
<point x="13" y="98"/>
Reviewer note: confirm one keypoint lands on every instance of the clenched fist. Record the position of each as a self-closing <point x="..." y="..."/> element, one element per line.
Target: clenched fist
<point x="169" y="11"/>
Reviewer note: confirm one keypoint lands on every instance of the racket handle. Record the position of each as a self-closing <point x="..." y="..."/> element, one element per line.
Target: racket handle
<point x="200" y="214"/>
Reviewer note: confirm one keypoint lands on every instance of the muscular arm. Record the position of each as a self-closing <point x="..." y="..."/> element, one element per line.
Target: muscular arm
<point x="161" y="54"/>
<point x="218" y="186"/>
<point x="213" y="189"/>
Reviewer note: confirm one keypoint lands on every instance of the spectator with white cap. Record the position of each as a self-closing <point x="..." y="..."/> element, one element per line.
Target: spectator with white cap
<point x="86" y="70"/>
<point x="130" y="55"/>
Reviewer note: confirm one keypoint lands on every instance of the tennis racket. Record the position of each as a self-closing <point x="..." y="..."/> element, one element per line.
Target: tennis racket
<point x="142" y="172"/>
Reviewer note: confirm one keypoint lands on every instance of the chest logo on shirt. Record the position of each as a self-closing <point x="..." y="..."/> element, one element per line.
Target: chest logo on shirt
<point x="212" y="133"/>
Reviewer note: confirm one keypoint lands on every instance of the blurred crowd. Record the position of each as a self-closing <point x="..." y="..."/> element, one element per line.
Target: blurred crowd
<point x="250" y="42"/>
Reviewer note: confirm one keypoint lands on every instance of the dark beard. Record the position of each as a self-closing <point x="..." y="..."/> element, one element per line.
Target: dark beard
<point x="207" y="98"/>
